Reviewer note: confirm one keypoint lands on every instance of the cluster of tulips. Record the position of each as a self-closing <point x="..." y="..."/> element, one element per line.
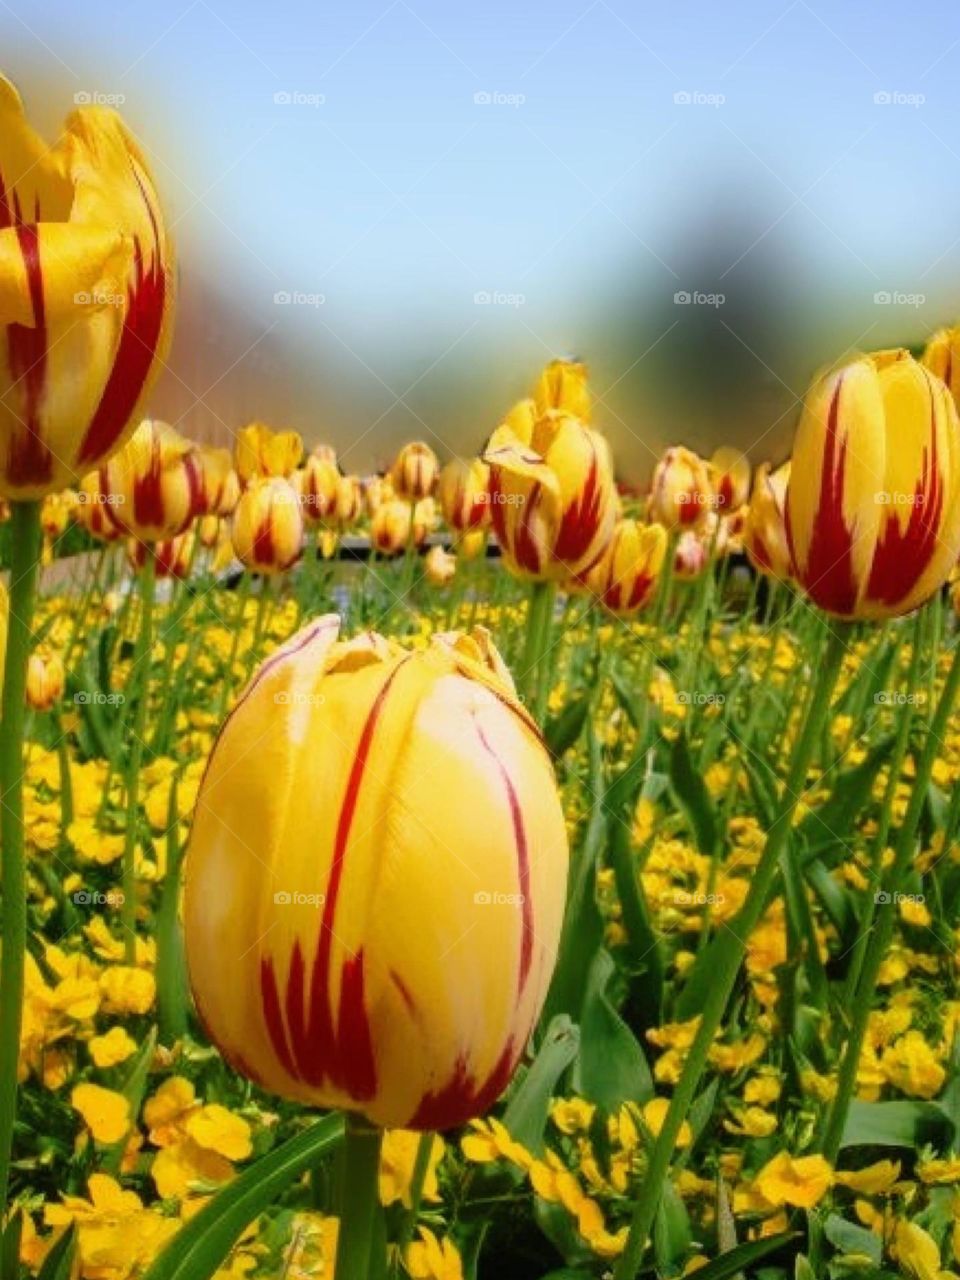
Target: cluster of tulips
<point x="380" y="914"/>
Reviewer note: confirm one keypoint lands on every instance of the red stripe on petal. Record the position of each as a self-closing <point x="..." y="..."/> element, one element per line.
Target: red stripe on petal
<point x="29" y="461"/>
<point x="460" y="1099"/>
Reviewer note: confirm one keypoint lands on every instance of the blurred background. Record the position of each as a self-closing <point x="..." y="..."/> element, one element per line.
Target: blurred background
<point x="390" y="214"/>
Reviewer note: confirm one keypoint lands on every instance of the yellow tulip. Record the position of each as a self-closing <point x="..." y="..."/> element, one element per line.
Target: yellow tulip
<point x="260" y="452"/>
<point x="219" y="486"/>
<point x="387" y="871"/>
<point x="552" y="494"/>
<point x="731" y="478"/>
<point x="267" y="528"/>
<point x="439" y="566"/>
<point x="91" y="510"/>
<point x="86" y="295"/>
<point x="563" y="385"/>
<point x="414" y="473"/>
<point x="390" y="527"/>
<point x="942" y="357"/>
<point x="45" y="680"/>
<point x="318" y="484"/>
<point x="472" y="545"/>
<point x="56" y="512"/>
<point x="681" y="491"/>
<point x="764" y="528"/>
<point x="349" y="503"/>
<point x="152" y="488"/>
<point x="172" y="558"/>
<point x="376" y="491"/>
<point x="624" y="578"/>
<point x="463" y="494"/>
<point x="873" y="501"/>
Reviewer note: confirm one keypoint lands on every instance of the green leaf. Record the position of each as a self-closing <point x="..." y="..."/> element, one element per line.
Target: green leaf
<point x="672" y="1232"/>
<point x="562" y="731"/>
<point x="58" y="1264"/>
<point x="643" y="945"/>
<point x="692" y="795"/>
<point x="134" y="1087"/>
<point x="612" y="1067"/>
<point x="850" y="1238"/>
<point x="199" y="1247"/>
<point x="896" y="1124"/>
<point x="848" y="795"/>
<point x="10" y="1247"/>
<point x="526" y="1113"/>
<point x="744" y="1255"/>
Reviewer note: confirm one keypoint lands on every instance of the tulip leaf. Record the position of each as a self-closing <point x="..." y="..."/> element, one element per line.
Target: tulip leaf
<point x="526" y="1113"/>
<point x="744" y="1255"/>
<point x="848" y="795"/>
<point x="692" y="795"/>
<point x="134" y="1087"/>
<point x="896" y="1124"/>
<point x="58" y="1264"/>
<point x="10" y="1247"/>
<point x="562" y="731"/>
<point x="612" y="1067"/>
<point x="850" y="1238"/>
<point x="643" y="945"/>
<point x="199" y="1247"/>
<point x="672" y="1233"/>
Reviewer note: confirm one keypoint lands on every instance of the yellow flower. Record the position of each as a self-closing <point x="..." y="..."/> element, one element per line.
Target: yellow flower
<point x="802" y="1181"/>
<point x="876" y="1179"/>
<point x="654" y="1114"/>
<point x="126" y="990"/>
<point x="184" y="1166"/>
<point x="939" y="1172"/>
<point x="166" y="1113"/>
<point x="572" y="1115"/>
<point x="911" y="1065"/>
<point x="490" y="1141"/>
<point x="112" y="1048"/>
<point x="397" y="1158"/>
<point x="105" y="1112"/>
<point x="429" y="1259"/>
<point x="217" y="1129"/>
<point x="751" y="1122"/>
<point x="918" y="1253"/>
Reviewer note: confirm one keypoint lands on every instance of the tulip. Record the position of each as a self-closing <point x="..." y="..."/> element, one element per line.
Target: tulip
<point x="45" y="681"/>
<point x="563" y="385"/>
<point x="261" y="452"/>
<point x="56" y="512"/>
<point x="267" y="530"/>
<point x="624" y="578"/>
<point x="765" y="530"/>
<point x="439" y="566"/>
<point x="86" y="283"/>
<point x="325" y="453"/>
<point x="219" y="487"/>
<point x="208" y="531"/>
<point x="172" y="559"/>
<point x="472" y="545"/>
<point x="942" y="357"/>
<point x="731" y="478"/>
<point x="682" y="493"/>
<point x="91" y="510"/>
<point x="318" y="485"/>
<point x="873" y="500"/>
<point x="153" y="487"/>
<point x="390" y="527"/>
<point x="392" y="916"/>
<point x="690" y="556"/>
<point x="552" y="495"/>
<point x="376" y="491"/>
<point x="463" y="494"/>
<point x="349" y="503"/>
<point x="414" y="473"/>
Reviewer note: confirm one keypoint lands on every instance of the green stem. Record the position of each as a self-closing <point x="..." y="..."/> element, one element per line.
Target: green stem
<point x="243" y="595"/>
<point x="537" y="645"/>
<point x="360" y="1197"/>
<point x="25" y="558"/>
<point x="886" y="916"/>
<point x="171" y="965"/>
<point x="728" y="960"/>
<point x="63" y="764"/>
<point x="141" y="682"/>
<point x="409" y="1224"/>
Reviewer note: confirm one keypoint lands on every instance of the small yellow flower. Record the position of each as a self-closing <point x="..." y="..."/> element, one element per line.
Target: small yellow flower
<point x="105" y="1112"/>
<point x="114" y="1047"/>
<point x="429" y="1259"/>
<point x="397" y="1159"/>
<point x="801" y="1182"/>
<point x="876" y="1179"/>
<point x="216" y="1129"/>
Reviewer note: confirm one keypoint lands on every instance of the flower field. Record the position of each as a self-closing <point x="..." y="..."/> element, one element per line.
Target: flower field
<point x="476" y="869"/>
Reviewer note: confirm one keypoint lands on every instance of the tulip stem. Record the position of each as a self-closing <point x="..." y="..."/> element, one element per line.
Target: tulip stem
<point x="359" y="1197"/>
<point x="887" y="902"/>
<point x="533" y="664"/>
<point x="141" y="682"/>
<point x="25" y="558"/>
<point x="418" y="1179"/>
<point x="728" y="959"/>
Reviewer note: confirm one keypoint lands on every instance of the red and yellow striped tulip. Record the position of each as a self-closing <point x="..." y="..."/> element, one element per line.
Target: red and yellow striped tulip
<point x="765" y="529"/>
<point x="152" y="488"/>
<point x="219" y="485"/>
<point x="171" y="559"/>
<point x="390" y="527"/>
<point x="56" y="512"/>
<point x="463" y="494"/>
<point x="624" y="579"/>
<point x="349" y="505"/>
<point x="86" y="295"/>
<point x="553" y="501"/>
<point x="45" y="680"/>
<point x="691" y="555"/>
<point x="563" y="386"/>
<point x="731" y="478"/>
<point x="318" y="484"/>
<point x="681" y="491"/>
<point x="387" y="871"/>
<point x="942" y="357"/>
<point x="873" y="502"/>
<point x="377" y="490"/>
<point x="267" y="527"/>
<point x="91" y="510"/>
<point x="414" y="472"/>
<point x="260" y="451"/>
<point x="472" y="545"/>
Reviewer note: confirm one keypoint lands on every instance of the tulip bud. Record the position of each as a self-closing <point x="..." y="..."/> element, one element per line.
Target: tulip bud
<point x="463" y="494"/>
<point x="45" y="680"/>
<point x="691" y="556"/>
<point x="942" y="357"/>
<point x="218" y="492"/>
<point x="552" y="495"/>
<point x="414" y="473"/>
<point x="624" y="578"/>
<point x="376" y="491"/>
<point x="731" y="478"/>
<point x="86" y="295"/>
<point x="682" y="493"/>
<point x="325" y="453"/>
<point x="390" y="890"/>
<point x="318" y="484"/>
<point x="439" y="566"/>
<point x="171" y="559"/>
<point x="152" y="487"/>
<point x="349" y="501"/>
<point x="208" y="531"/>
<point x="873" y="502"/>
<point x="765" y="529"/>
<point x="390" y="527"/>
<point x="267" y="528"/>
<point x="261" y="452"/>
<point x="92" y="510"/>
<point x="563" y="385"/>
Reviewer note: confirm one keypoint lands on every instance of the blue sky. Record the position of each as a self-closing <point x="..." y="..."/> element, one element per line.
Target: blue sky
<point x="341" y="155"/>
